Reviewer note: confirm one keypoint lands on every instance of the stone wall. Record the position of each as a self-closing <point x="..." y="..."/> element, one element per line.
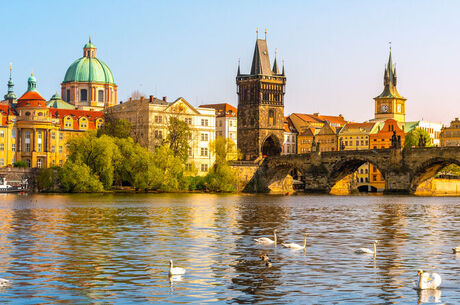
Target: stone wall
<point x="439" y="187"/>
<point x="14" y="176"/>
<point x="245" y="172"/>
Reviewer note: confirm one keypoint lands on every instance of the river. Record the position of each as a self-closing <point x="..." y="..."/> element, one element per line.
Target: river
<point x="115" y="248"/>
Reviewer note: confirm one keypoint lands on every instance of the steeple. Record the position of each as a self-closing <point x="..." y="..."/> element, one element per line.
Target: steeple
<point x="89" y="50"/>
<point x="32" y="83"/>
<point x="389" y="80"/>
<point x="260" y="60"/>
<point x="239" y="72"/>
<point x="10" y="95"/>
<point x="282" y="73"/>
<point x="275" y="66"/>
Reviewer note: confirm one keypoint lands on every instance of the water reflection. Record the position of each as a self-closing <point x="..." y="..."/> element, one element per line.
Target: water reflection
<point x="84" y="249"/>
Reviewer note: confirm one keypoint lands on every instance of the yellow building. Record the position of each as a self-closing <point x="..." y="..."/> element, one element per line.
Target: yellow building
<point x="149" y="118"/>
<point x="327" y="138"/>
<point x="35" y="133"/>
<point x="450" y="136"/>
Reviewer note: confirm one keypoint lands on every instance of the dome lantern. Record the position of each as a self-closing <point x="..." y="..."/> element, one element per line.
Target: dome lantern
<point x="89" y="50"/>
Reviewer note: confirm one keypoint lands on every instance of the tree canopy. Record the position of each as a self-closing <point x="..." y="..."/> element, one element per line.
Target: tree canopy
<point x="178" y="137"/>
<point x="418" y="138"/>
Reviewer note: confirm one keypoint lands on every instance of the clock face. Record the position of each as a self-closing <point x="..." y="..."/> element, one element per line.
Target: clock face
<point x="399" y="108"/>
<point x="385" y="108"/>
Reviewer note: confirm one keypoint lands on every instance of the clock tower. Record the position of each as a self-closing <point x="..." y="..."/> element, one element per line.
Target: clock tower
<point x="390" y="104"/>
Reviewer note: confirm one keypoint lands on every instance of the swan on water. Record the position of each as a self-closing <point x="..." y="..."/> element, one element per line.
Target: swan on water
<point x="427" y="280"/>
<point x="368" y="251"/>
<point x="294" y="246"/>
<point x="456" y="250"/>
<point x="4" y="282"/>
<point x="266" y="240"/>
<point x="175" y="270"/>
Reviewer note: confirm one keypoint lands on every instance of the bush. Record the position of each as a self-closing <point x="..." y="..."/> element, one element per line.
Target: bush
<point x="20" y="163"/>
<point x="46" y="179"/>
<point x="77" y="178"/>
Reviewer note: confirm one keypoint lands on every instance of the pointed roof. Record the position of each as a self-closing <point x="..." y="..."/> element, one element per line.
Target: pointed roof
<point x="389" y="81"/>
<point x="275" y="67"/>
<point x="260" y="60"/>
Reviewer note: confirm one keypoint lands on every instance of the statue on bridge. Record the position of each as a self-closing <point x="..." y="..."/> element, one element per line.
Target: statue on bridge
<point x="395" y="140"/>
<point x="421" y="141"/>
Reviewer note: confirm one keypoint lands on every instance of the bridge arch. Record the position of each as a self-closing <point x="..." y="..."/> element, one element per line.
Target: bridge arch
<point x="348" y="166"/>
<point x="271" y="146"/>
<point x="428" y="169"/>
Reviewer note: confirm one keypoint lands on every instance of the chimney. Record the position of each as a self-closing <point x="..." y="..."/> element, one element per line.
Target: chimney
<point x="316" y="113"/>
<point x="165" y="99"/>
<point x="151" y="99"/>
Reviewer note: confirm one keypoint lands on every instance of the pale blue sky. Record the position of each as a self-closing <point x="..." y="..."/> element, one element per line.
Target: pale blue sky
<point x="335" y="51"/>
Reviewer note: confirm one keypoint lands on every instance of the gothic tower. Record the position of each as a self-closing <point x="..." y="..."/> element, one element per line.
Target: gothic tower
<point x="260" y="106"/>
<point x="390" y="104"/>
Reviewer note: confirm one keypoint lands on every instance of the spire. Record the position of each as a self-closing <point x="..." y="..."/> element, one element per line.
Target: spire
<point x="389" y="80"/>
<point x="10" y="95"/>
<point x="275" y="66"/>
<point x="282" y="73"/>
<point x="260" y="60"/>
<point x="238" y="73"/>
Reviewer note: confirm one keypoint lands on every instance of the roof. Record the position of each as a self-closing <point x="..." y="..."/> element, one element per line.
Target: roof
<point x="408" y="126"/>
<point x="223" y="109"/>
<point x="317" y="118"/>
<point x="358" y="128"/>
<point x="260" y="59"/>
<point x="88" y="69"/>
<point x="89" y="45"/>
<point x="59" y="113"/>
<point x="389" y="81"/>
<point x="31" y="99"/>
<point x="288" y="125"/>
<point x="57" y="102"/>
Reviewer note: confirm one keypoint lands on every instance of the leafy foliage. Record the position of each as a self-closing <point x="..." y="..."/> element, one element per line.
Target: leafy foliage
<point x="167" y="172"/>
<point x="46" y="179"/>
<point x="77" y="177"/>
<point x="114" y="127"/>
<point x="20" y="163"/>
<point x="177" y="138"/>
<point x="417" y="137"/>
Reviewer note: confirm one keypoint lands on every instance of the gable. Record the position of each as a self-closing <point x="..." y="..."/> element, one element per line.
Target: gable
<point x="181" y="106"/>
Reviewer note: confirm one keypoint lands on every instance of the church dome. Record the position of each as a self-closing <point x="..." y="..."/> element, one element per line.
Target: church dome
<point x="89" y="69"/>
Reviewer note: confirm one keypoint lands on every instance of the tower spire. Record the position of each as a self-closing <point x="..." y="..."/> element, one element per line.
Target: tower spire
<point x="10" y="95"/>
<point x="282" y="73"/>
<point x="275" y="65"/>
<point x="238" y="73"/>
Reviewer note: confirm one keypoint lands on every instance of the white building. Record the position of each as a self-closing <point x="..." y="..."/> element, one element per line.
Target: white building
<point x="226" y="118"/>
<point x="150" y="117"/>
<point x="434" y="129"/>
<point x="290" y="138"/>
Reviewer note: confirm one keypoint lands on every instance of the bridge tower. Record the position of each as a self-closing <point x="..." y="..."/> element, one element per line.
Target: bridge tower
<point x="261" y="106"/>
<point x="390" y="104"/>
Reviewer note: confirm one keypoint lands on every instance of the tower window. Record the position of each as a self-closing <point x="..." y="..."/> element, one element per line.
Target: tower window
<point x="271" y="117"/>
<point x="100" y="96"/>
<point x="83" y="95"/>
<point x="67" y="96"/>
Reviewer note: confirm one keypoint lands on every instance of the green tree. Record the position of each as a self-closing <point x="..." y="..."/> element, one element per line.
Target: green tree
<point x="224" y="149"/>
<point x="178" y="138"/>
<point x="417" y="137"/>
<point x="98" y="153"/>
<point x="78" y="178"/>
<point x="133" y="164"/>
<point x="167" y="171"/>
<point x="47" y="179"/>
<point x="113" y="127"/>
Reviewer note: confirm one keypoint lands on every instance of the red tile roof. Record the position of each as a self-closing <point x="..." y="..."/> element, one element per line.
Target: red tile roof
<point x="223" y="109"/>
<point x="31" y="99"/>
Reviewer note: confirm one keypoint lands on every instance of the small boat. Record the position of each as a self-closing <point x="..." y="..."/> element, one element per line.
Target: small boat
<point x="6" y="188"/>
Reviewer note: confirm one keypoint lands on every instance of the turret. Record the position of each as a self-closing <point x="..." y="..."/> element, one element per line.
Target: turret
<point x="10" y="96"/>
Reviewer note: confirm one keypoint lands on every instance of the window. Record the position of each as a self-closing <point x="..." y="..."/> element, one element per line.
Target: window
<point x="204" y="122"/>
<point x="271" y="117"/>
<point x="99" y="123"/>
<point x="39" y="135"/>
<point x="60" y="136"/>
<point x="188" y="167"/>
<point x="190" y="151"/>
<point x="68" y="122"/>
<point x="83" y="123"/>
<point x="2" y="162"/>
<point x="204" y="151"/>
<point x="2" y="147"/>
<point x="158" y="119"/>
<point x="67" y="96"/>
<point x="13" y="147"/>
<point x="374" y="177"/>
<point x="27" y="147"/>
<point x="357" y="143"/>
<point x="188" y="121"/>
<point x="53" y="148"/>
<point x="2" y="133"/>
<point x="204" y="137"/>
<point x="60" y="162"/>
<point x="100" y="95"/>
<point x="53" y="135"/>
<point x="39" y="148"/>
<point x="220" y="123"/>
<point x="83" y="95"/>
<point x="204" y="167"/>
<point x="158" y="134"/>
<point x="13" y="134"/>
<point x="60" y="149"/>
<point x="39" y="163"/>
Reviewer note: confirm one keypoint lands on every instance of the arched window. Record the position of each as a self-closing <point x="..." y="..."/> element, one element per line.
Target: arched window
<point x="271" y="117"/>
<point x="68" y="122"/>
<point x="99" y="123"/>
<point x="83" y="95"/>
<point x="83" y="123"/>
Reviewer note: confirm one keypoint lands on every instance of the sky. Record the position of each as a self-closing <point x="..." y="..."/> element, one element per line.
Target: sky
<point x="334" y="51"/>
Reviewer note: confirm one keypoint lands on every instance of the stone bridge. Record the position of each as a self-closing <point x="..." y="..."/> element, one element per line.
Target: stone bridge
<point x="403" y="170"/>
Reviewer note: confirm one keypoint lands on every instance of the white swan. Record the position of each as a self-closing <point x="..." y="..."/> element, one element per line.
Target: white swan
<point x="368" y="251"/>
<point x="4" y="282"/>
<point x="456" y="250"/>
<point x="427" y="280"/>
<point x="294" y="246"/>
<point x="266" y="240"/>
<point x="175" y="270"/>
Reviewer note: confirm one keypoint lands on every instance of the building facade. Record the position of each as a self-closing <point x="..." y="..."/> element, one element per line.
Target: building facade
<point x="290" y="138"/>
<point x="260" y="106"/>
<point x="390" y="104"/>
<point x="88" y="83"/>
<point x="36" y="133"/>
<point x="450" y="136"/>
<point x="226" y="120"/>
<point x="150" y="117"/>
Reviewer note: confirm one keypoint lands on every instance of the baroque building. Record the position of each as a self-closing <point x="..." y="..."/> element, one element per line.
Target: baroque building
<point x="390" y="104"/>
<point x="260" y="106"/>
<point x="88" y="83"/>
<point x="150" y="117"/>
<point x="450" y="136"/>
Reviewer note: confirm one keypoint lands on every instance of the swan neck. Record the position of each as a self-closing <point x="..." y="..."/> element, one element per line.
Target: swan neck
<point x="305" y="242"/>
<point x="274" y="235"/>
<point x="375" y="249"/>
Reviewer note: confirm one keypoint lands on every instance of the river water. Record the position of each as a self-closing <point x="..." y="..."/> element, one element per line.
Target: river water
<point x="114" y="249"/>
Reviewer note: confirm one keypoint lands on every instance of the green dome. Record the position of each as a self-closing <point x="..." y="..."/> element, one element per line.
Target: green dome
<point x="89" y="45"/>
<point x="88" y="69"/>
